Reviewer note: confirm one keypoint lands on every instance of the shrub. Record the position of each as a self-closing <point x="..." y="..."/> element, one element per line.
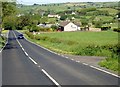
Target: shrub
<point x="105" y="28"/>
<point x="116" y="29"/>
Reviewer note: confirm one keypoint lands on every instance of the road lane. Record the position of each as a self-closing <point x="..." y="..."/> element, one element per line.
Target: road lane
<point x="65" y="71"/>
<point x="18" y="69"/>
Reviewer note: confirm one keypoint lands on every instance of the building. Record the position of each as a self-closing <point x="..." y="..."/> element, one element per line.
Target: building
<point x="53" y="16"/>
<point x="69" y="26"/>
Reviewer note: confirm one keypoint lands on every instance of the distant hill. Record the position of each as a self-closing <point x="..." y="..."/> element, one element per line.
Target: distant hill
<point x="65" y="6"/>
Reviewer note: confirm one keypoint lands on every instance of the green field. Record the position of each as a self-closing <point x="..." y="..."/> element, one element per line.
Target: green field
<point x="85" y="38"/>
<point x="73" y="42"/>
<point x="82" y="43"/>
<point x="110" y="10"/>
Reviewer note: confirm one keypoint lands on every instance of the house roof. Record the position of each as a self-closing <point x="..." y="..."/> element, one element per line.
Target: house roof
<point x="64" y="23"/>
<point x="76" y="23"/>
<point x="52" y="14"/>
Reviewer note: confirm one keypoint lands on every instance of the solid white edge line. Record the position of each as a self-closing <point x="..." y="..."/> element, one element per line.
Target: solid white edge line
<point x="105" y="71"/>
<point x="55" y="82"/>
<point x="76" y="61"/>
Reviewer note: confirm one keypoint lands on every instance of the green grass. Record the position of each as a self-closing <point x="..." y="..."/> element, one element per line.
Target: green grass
<point x="83" y="43"/>
<point x="86" y="38"/>
<point x="110" y="10"/>
<point x="104" y="18"/>
<point x="3" y="39"/>
<point x="111" y="63"/>
<point x="113" y="25"/>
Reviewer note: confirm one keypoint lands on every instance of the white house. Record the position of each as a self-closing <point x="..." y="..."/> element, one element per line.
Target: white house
<point x="53" y="16"/>
<point x="69" y="26"/>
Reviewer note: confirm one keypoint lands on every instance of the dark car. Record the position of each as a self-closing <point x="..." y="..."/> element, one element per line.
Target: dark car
<point x="20" y="36"/>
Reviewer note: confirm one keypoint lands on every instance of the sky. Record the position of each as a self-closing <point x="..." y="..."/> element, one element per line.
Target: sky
<point x="31" y="2"/>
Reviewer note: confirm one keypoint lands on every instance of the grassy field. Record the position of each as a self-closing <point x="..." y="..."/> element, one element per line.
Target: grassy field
<point x="86" y="38"/>
<point x="82" y="43"/>
<point x="110" y="10"/>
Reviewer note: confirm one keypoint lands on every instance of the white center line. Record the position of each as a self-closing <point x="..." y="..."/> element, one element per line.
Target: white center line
<point x="55" y="82"/>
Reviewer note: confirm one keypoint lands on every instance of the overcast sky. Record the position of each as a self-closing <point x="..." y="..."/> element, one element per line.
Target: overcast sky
<point x="30" y="2"/>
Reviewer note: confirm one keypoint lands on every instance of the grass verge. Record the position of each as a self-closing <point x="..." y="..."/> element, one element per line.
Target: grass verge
<point x="82" y="43"/>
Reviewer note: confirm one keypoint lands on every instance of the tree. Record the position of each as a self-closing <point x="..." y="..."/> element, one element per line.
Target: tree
<point x="9" y="23"/>
<point x="63" y="17"/>
<point x="23" y="21"/>
<point x="84" y="22"/>
<point x="43" y="20"/>
<point x="98" y="24"/>
<point x="8" y="8"/>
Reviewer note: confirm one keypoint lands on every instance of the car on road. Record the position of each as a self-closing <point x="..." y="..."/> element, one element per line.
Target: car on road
<point x="20" y="36"/>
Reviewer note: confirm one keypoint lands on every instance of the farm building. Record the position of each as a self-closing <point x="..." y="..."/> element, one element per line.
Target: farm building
<point x="69" y="26"/>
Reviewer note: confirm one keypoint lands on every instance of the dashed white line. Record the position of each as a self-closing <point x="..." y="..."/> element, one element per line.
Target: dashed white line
<point x="39" y="66"/>
<point x="72" y="59"/>
<point x="33" y="61"/>
<point x="66" y="57"/>
<point x="85" y="64"/>
<point x="53" y="80"/>
<point x="26" y="53"/>
<point x="78" y="61"/>
<point x="58" y="54"/>
<point x="23" y="49"/>
<point x="62" y="55"/>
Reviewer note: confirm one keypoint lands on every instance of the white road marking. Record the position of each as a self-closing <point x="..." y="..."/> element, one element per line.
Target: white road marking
<point x="55" y="82"/>
<point x="23" y="49"/>
<point x="66" y="57"/>
<point x="72" y="59"/>
<point x="39" y="66"/>
<point x="105" y="71"/>
<point x="58" y="54"/>
<point x="85" y="64"/>
<point x="26" y="53"/>
<point x="77" y="61"/>
<point x="33" y="61"/>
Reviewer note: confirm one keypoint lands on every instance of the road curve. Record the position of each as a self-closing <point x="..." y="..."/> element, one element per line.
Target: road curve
<point x="18" y="68"/>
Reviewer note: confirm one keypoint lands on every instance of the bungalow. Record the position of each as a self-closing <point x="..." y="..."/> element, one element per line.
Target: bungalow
<point x="69" y="26"/>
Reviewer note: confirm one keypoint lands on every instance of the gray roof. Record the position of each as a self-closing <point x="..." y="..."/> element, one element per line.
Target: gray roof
<point x="64" y="23"/>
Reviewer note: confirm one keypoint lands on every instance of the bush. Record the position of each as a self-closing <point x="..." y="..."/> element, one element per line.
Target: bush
<point x="54" y="27"/>
<point x="105" y="28"/>
<point x="116" y="29"/>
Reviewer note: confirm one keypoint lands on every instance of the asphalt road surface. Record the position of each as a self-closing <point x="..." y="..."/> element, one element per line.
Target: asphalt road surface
<point x="24" y="63"/>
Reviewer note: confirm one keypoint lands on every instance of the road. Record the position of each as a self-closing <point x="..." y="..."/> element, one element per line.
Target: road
<point x="24" y="63"/>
